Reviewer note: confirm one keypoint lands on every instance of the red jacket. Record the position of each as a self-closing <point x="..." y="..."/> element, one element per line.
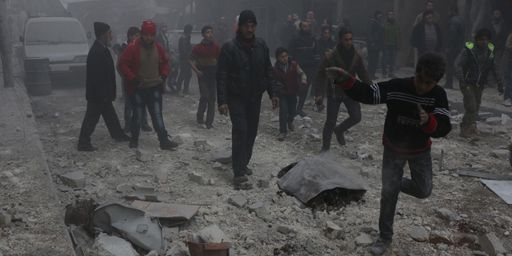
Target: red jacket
<point x="129" y="64"/>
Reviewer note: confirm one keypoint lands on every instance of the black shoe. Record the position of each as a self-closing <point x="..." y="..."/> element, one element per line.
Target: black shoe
<point x="122" y="138"/>
<point x="324" y="149"/>
<point x="340" y="137"/>
<point x="168" y="145"/>
<point x="200" y="121"/>
<point x="133" y="144"/>
<point x="86" y="148"/>
<point x="291" y="127"/>
<point x="242" y="183"/>
<point x="380" y="247"/>
<point x="248" y="171"/>
<point x="209" y="126"/>
<point x="146" y="128"/>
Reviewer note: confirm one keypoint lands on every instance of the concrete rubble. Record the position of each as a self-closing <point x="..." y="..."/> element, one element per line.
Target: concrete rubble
<point x="491" y="244"/>
<point x="73" y="179"/>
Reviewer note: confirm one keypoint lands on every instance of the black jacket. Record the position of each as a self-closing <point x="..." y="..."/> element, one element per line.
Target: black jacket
<point x="473" y="65"/>
<point x="244" y="71"/>
<point x="376" y="35"/>
<point x="101" y="76"/>
<point x="456" y="34"/>
<point x="303" y="49"/>
<point x="185" y="49"/>
<point x="418" y="40"/>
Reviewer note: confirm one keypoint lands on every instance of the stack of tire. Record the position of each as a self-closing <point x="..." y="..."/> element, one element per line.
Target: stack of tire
<point x="37" y="76"/>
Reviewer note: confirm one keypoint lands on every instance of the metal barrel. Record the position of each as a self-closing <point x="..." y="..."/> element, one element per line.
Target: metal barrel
<point x="37" y="76"/>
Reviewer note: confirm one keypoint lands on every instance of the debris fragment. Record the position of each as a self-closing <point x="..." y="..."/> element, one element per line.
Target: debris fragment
<point x="237" y="200"/>
<point x="419" y="234"/>
<point x="502" y="188"/>
<point x="447" y="215"/>
<point x="169" y="214"/>
<point x="364" y="239"/>
<point x="73" y="179"/>
<point x="106" y="245"/>
<point x="5" y="219"/>
<point x="491" y="244"/>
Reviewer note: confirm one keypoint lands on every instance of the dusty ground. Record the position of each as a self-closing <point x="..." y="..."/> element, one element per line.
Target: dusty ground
<point x="59" y="117"/>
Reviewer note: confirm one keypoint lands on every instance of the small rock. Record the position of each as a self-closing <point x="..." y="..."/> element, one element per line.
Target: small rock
<point x="197" y="178"/>
<point x="142" y="156"/>
<point x="177" y="250"/>
<point x="73" y="179"/>
<point x="56" y="115"/>
<point x="178" y="140"/>
<point x="202" y="145"/>
<point x="493" y="120"/>
<point x="237" y="200"/>
<point x="211" y="182"/>
<point x="212" y="234"/>
<point x="500" y="154"/>
<point x="152" y="253"/>
<point x="255" y="206"/>
<point x="363" y="239"/>
<point x="171" y="234"/>
<point x="124" y="188"/>
<point x="223" y="157"/>
<point x="331" y="226"/>
<point x="446" y="214"/>
<point x="263" y="184"/>
<point x="5" y="219"/>
<point x="218" y="166"/>
<point x="491" y="244"/>
<point x="285" y="230"/>
<point x="419" y="234"/>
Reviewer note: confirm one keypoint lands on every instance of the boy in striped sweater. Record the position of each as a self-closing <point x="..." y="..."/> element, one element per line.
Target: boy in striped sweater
<point x="417" y="111"/>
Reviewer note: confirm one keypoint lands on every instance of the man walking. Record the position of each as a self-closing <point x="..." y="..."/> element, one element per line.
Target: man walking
<point x="100" y="90"/>
<point x="473" y="65"/>
<point x="302" y="50"/>
<point x="426" y="36"/>
<point x="145" y="65"/>
<point x="346" y="57"/>
<point x="391" y="39"/>
<point x="185" y="49"/>
<point x="244" y="73"/>
<point x="375" y="43"/>
<point x="204" y="63"/>
<point x="417" y="111"/>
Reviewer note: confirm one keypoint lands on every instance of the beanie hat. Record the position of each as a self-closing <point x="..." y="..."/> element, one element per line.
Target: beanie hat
<point x="247" y="16"/>
<point x="100" y="28"/>
<point x="148" y="28"/>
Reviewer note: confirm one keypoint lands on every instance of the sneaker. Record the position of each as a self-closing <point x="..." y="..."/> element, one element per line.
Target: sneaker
<point x="168" y="145"/>
<point x="242" y="183"/>
<point x="281" y="137"/>
<point x="380" y="247"/>
<point x="86" y="147"/>
<point x="291" y="127"/>
<point x="146" y="128"/>
<point x="340" y="137"/>
<point x="133" y="143"/>
<point x="122" y="138"/>
<point x="507" y="103"/>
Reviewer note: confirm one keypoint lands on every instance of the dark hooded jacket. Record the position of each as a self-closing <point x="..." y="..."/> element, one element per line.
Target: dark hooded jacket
<point x="101" y="74"/>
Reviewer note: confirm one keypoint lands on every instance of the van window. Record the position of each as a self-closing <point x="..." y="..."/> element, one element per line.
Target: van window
<point x="54" y="32"/>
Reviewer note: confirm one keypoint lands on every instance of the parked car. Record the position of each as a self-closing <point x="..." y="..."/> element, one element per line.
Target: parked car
<point x="63" y="41"/>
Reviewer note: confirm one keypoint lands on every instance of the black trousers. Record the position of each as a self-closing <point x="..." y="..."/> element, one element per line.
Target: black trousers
<point x="450" y="66"/>
<point x="373" y="61"/>
<point x="208" y="97"/>
<point x="287" y="111"/>
<point x="304" y="91"/>
<point x="184" y="77"/>
<point x="245" y="116"/>
<point x="92" y="116"/>
<point x="393" y="182"/>
<point x="333" y="109"/>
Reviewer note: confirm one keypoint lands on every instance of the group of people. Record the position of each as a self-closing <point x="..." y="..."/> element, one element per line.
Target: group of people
<point x="234" y="76"/>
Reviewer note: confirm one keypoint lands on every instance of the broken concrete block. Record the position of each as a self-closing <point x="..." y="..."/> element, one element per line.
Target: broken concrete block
<point x="223" y="157"/>
<point x="255" y="206"/>
<point x="491" y="244"/>
<point x="446" y="214"/>
<point x="285" y="230"/>
<point x="364" y="239"/>
<point x="5" y="219"/>
<point x="124" y="188"/>
<point x="212" y="234"/>
<point x="73" y="179"/>
<point x="197" y="178"/>
<point x="237" y="200"/>
<point x="331" y="227"/>
<point x="106" y="245"/>
<point x="419" y="234"/>
<point x="218" y="166"/>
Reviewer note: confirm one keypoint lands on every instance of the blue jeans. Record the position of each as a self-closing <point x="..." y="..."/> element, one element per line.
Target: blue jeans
<point x="393" y="182"/>
<point x="152" y="99"/>
<point x="287" y="111"/>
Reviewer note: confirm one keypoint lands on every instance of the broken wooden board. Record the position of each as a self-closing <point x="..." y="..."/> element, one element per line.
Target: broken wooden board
<point x="168" y="214"/>
<point x="502" y="188"/>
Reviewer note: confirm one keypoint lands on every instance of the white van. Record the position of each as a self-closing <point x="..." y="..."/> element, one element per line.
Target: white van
<point x="63" y="41"/>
